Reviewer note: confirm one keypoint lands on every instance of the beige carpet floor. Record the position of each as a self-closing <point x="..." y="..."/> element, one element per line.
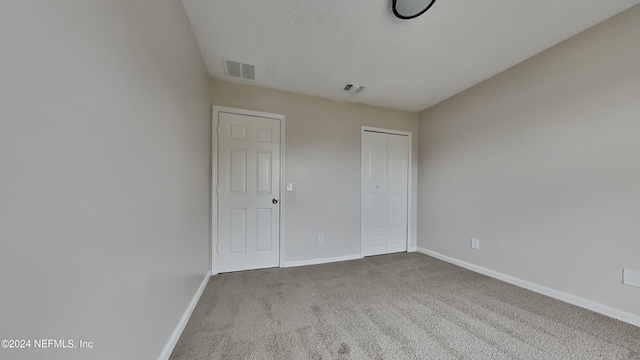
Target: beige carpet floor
<point x="401" y="306"/>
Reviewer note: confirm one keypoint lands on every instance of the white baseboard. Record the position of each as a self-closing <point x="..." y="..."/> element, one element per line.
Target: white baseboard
<point x="177" y="332"/>
<point x="562" y="296"/>
<point x="322" y="261"/>
<point x="412" y="249"/>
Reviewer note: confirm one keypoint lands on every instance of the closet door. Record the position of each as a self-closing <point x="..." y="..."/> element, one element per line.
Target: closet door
<point x="374" y="194"/>
<point x="384" y="192"/>
<point x="397" y="197"/>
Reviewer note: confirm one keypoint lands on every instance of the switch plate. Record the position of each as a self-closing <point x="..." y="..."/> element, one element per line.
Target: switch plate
<point x="321" y="239"/>
<point x="631" y="277"/>
<point x="289" y="186"/>
<point x="475" y="244"/>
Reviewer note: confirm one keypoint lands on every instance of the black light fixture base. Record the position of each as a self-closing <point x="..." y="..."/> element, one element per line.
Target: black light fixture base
<point x="428" y="5"/>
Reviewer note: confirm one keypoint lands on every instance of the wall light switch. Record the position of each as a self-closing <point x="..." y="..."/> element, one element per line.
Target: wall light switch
<point x="475" y="244"/>
<point x="631" y="277"/>
<point x="289" y="186"/>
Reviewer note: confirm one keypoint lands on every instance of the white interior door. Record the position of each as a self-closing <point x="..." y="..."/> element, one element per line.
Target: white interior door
<point x="384" y="198"/>
<point x="248" y="192"/>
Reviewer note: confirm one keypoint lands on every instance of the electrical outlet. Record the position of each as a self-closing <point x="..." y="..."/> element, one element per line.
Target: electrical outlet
<point x="475" y="244"/>
<point x="321" y="239"/>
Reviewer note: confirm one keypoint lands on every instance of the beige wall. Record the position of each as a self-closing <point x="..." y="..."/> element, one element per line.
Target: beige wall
<point x="542" y="164"/>
<point x="323" y="161"/>
<point x="104" y="175"/>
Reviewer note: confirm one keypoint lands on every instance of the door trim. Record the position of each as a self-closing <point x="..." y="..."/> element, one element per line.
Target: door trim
<point x="410" y="195"/>
<point x="214" y="177"/>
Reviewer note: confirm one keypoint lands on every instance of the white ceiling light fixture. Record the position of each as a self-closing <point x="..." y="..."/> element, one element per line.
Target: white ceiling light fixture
<point x="409" y="9"/>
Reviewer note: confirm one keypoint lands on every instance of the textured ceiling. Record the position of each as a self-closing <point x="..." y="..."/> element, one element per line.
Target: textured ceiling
<point x="315" y="47"/>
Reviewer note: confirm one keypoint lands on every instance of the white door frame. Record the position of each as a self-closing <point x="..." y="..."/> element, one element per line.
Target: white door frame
<point x="214" y="176"/>
<point x="409" y="184"/>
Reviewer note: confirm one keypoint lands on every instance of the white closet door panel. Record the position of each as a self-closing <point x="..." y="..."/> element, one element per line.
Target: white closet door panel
<point x="385" y="169"/>
<point x="397" y="188"/>
<point x="374" y="194"/>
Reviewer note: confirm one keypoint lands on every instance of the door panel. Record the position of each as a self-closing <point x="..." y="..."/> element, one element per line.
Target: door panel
<point x="397" y="188"/>
<point x="373" y="207"/>
<point x="238" y="230"/>
<point x="264" y="185"/>
<point x="385" y="166"/>
<point x="237" y="132"/>
<point x="263" y="229"/>
<point x="378" y="161"/>
<point x="377" y="213"/>
<point x="396" y="214"/>
<point x="397" y="160"/>
<point x="248" y="181"/>
<point x="237" y="171"/>
<point x="264" y="134"/>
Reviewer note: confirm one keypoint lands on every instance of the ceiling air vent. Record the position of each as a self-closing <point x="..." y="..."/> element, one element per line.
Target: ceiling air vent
<point x="248" y="72"/>
<point x="354" y="89"/>
<point x="240" y="70"/>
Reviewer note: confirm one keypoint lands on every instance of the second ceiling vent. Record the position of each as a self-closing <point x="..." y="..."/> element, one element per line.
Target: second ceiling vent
<point x="353" y="89"/>
<point x="240" y="70"/>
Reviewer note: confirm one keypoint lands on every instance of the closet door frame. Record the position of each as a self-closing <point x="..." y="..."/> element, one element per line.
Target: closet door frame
<point x="410" y="194"/>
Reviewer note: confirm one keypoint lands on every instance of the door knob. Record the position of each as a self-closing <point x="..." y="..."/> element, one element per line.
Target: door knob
<point x="275" y="201"/>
